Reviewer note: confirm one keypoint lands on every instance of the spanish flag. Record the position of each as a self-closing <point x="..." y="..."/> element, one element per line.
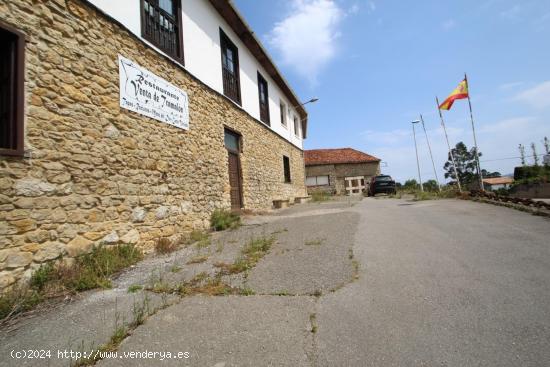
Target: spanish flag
<point x="460" y="92"/>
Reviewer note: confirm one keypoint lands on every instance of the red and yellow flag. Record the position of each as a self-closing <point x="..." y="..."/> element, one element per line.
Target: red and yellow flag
<point x="460" y="92"/>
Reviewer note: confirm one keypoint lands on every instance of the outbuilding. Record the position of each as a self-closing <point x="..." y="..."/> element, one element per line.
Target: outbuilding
<point x="342" y="171"/>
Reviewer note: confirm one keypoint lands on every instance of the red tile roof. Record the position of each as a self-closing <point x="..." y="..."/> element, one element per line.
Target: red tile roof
<point x="337" y="156"/>
<point x="498" y="180"/>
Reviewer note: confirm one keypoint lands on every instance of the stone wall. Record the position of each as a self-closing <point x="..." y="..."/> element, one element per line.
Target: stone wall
<point x="94" y="173"/>
<point x="338" y="172"/>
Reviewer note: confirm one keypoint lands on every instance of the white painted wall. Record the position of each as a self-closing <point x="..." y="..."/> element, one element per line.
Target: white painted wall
<point x="201" y="42"/>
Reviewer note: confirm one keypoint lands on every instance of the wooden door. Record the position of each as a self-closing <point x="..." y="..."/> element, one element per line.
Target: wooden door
<point x="235" y="181"/>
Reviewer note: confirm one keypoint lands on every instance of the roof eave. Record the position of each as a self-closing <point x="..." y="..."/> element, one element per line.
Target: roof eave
<point x="229" y="12"/>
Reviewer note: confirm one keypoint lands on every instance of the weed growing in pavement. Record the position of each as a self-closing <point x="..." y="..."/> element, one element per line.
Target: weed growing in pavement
<point x="197" y="259"/>
<point x="89" y="271"/>
<point x="319" y="197"/>
<point x="316" y="242"/>
<point x="18" y="300"/>
<point x="121" y="332"/>
<point x="175" y="268"/>
<point x="134" y="288"/>
<point x="223" y="219"/>
<point x="165" y="246"/>
<point x="250" y="255"/>
<point x="313" y="322"/>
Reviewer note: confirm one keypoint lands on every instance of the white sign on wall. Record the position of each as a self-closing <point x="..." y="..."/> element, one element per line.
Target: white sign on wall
<point x="145" y="93"/>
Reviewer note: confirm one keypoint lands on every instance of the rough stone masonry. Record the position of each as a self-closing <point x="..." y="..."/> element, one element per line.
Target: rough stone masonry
<point x="94" y="173"/>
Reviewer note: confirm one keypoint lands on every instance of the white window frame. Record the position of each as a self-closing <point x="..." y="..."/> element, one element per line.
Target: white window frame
<point x="297" y="129"/>
<point x="317" y="180"/>
<point x="283" y="113"/>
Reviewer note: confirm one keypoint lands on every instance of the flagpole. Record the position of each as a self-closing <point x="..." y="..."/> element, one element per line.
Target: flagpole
<point x="431" y="155"/>
<point x="449" y="145"/>
<point x="478" y="166"/>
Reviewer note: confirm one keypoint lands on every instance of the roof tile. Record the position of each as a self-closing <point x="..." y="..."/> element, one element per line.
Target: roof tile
<point x="337" y="156"/>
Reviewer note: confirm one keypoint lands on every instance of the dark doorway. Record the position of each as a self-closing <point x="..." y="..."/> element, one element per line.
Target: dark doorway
<point x="232" y="144"/>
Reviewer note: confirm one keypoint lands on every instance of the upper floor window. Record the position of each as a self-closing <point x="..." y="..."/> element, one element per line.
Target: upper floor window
<point x="12" y="63"/>
<point x="230" y="68"/>
<point x="283" y="114"/>
<point x="161" y="25"/>
<point x="264" y="99"/>
<point x="297" y="129"/>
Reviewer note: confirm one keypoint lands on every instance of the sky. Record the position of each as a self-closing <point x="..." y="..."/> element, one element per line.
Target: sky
<point x="377" y="65"/>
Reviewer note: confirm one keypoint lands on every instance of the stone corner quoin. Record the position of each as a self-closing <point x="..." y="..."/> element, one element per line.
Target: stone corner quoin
<point x="95" y="173"/>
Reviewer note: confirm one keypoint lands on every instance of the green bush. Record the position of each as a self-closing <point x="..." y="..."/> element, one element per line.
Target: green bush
<point x="44" y="274"/>
<point x="224" y="219"/>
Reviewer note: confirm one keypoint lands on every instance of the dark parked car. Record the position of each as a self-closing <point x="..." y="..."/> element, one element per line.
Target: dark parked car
<point x="382" y="184"/>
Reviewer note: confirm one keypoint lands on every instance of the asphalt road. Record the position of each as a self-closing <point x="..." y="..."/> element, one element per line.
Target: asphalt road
<point x="443" y="283"/>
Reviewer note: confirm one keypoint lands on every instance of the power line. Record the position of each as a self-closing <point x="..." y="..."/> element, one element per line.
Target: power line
<point x="504" y="159"/>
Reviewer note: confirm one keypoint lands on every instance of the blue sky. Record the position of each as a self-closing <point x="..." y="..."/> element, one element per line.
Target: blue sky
<point x="375" y="65"/>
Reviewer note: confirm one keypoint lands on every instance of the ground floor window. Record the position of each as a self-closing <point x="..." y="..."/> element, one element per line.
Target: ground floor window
<point x="12" y="44"/>
<point x="317" y="181"/>
<point x="286" y="168"/>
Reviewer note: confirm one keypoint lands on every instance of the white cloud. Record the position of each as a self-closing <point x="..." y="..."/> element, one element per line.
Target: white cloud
<point x="306" y="39"/>
<point x="537" y="96"/>
<point x="448" y="24"/>
<point x="511" y="85"/>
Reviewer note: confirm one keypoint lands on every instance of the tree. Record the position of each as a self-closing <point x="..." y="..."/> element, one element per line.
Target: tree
<point x="411" y="185"/>
<point x="535" y="156"/>
<point x="546" y="143"/>
<point x="487" y="174"/>
<point x="465" y="164"/>
<point x="522" y="155"/>
<point x="431" y="185"/>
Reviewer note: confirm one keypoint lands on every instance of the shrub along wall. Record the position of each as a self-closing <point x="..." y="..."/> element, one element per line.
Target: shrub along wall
<point x="95" y="173"/>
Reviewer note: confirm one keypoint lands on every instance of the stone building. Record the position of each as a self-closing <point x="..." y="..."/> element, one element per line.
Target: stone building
<point x="131" y="120"/>
<point x="342" y="171"/>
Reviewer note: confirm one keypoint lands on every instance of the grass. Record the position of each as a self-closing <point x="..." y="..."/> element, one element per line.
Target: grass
<point x="319" y="197"/>
<point x="223" y="219"/>
<point x="134" y="288"/>
<point x="200" y="238"/>
<point x="250" y="255"/>
<point x="89" y="271"/>
<point x="313" y="322"/>
<point x="165" y="246"/>
<point x="175" y="268"/>
<point x="203" y="284"/>
<point x="316" y="242"/>
<point x="197" y="259"/>
<point x="17" y="301"/>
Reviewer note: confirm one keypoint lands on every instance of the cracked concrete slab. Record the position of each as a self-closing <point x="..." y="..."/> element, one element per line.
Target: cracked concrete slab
<point x="312" y="255"/>
<point x="228" y="331"/>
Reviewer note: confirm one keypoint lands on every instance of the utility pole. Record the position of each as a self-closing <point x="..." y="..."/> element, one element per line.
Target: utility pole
<point x="417" y="161"/>
<point x="431" y="155"/>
